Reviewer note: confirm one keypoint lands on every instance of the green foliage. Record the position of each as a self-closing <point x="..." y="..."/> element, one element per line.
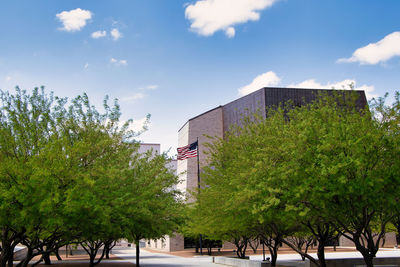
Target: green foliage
<point x="324" y="168"/>
<point x="152" y="184"/>
<point x="73" y="174"/>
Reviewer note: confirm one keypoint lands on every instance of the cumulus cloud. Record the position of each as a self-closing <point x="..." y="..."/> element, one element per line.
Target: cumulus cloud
<point x="345" y="84"/>
<point x="133" y="98"/>
<point x="74" y="20"/>
<point x="116" y="34"/>
<point x="375" y="53"/>
<point x="98" y="34"/>
<point x="119" y="62"/>
<point x="210" y="16"/>
<point x="263" y="80"/>
<point x="270" y="78"/>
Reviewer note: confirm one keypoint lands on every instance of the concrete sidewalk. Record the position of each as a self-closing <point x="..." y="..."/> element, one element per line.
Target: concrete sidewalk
<point x="384" y="252"/>
<point x="163" y="260"/>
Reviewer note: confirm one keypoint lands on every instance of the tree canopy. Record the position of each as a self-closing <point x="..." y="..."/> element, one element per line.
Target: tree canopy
<point x="325" y="168"/>
<point x="70" y="174"/>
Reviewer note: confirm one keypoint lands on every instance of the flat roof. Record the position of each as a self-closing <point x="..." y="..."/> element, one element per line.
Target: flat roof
<point x="266" y="88"/>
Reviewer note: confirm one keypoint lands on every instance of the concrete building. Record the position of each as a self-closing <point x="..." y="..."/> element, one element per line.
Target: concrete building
<point x="144" y="147"/>
<point x="217" y="121"/>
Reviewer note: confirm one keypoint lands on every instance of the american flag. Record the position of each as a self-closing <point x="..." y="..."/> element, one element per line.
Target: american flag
<point x="189" y="151"/>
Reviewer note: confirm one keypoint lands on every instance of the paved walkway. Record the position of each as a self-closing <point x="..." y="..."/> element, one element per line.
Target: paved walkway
<point x="383" y="252"/>
<point x="163" y="260"/>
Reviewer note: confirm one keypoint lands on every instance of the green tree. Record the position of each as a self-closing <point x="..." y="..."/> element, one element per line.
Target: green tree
<point x="222" y="207"/>
<point x="70" y="174"/>
<point x="341" y="168"/>
<point x="151" y="205"/>
<point x="389" y="117"/>
<point x="100" y="152"/>
<point x="321" y="168"/>
<point x="27" y="131"/>
<point x="331" y="167"/>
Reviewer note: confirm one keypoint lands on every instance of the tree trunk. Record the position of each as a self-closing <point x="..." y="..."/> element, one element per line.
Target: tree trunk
<point x="11" y="258"/>
<point x="28" y="257"/>
<point x="273" y="246"/>
<point x="57" y="254"/>
<point x="92" y="257"/>
<point x="101" y="257"/>
<point x="369" y="261"/>
<point x="107" y="250"/>
<point x="137" y="253"/>
<point x="6" y="252"/>
<point x="368" y="258"/>
<point x="321" y="254"/>
<point x="274" y="255"/>
<point x="241" y="246"/>
<point x="6" y="255"/>
<point x="313" y="260"/>
<point x="254" y="245"/>
<point x="308" y="244"/>
<point x="9" y="239"/>
<point x="46" y="258"/>
<point x="108" y="245"/>
<point x="366" y="244"/>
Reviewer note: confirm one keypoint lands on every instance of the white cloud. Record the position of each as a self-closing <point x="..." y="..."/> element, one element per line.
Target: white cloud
<point x="133" y="98"/>
<point x="230" y="32"/>
<point x="98" y="34"/>
<point x="375" y="53"/>
<point x="149" y="87"/>
<point x="263" y="80"/>
<point x="116" y="34"/>
<point x="345" y="84"/>
<point x="119" y="62"/>
<point x="137" y="125"/>
<point x="86" y="65"/>
<point x="270" y="78"/>
<point x="210" y="16"/>
<point x="74" y="20"/>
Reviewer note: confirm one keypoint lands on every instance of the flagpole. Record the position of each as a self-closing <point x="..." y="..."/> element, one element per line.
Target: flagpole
<point x="198" y="187"/>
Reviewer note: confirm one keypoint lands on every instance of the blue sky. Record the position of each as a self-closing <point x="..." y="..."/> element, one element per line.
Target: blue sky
<point x="178" y="58"/>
